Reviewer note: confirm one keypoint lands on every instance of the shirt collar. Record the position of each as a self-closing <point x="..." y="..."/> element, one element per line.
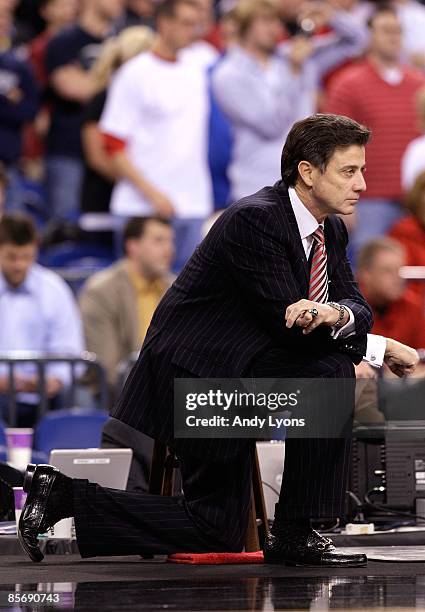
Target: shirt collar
<point x="142" y="285"/>
<point x="28" y="286"/>
<point x="307" y="223"/>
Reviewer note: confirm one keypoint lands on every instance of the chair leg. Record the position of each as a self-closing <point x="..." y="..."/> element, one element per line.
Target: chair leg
<point x="257" y="520"/>
<point x="170" y="466"/>
<point x="161" y="482"/>
<point x="252" y="541"/>
<point x="156" y="478"/>
<point x="260" y="503"/>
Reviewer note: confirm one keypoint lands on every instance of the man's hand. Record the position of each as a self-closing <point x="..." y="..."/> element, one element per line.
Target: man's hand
<point x="162" y="203"/>
<point x="298" y="314"/>
<point x="400" y="358"/>
<point x="300" y="50"/>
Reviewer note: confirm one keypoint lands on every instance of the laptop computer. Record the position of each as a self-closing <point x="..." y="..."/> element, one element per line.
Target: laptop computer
<point x="108" y="467"/>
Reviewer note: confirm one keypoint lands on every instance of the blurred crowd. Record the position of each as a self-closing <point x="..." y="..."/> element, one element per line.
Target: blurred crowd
<point x="126" y="125"/>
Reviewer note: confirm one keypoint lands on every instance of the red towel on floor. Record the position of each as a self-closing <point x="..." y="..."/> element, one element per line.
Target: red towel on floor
<point x="217" y="558"/>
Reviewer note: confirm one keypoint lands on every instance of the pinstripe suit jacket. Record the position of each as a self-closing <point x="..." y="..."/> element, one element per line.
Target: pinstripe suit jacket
<point x="227" y="307"/>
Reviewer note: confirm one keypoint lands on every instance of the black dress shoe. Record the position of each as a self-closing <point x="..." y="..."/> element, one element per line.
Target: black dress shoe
<point x="35" y="519"/>
<point x="304" y="546"/>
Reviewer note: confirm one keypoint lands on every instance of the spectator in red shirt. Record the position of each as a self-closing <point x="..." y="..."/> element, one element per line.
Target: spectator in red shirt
<point x="410" y="231"/>
<point x="379" y="92"/>
<point x="398" y="312"/>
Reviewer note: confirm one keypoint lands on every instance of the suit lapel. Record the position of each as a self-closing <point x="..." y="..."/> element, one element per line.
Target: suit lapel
<point x="297" y="256"/>
<point x="330" y="244"/>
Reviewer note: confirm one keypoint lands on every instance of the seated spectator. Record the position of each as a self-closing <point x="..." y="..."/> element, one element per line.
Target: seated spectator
<point x="69" y="55"/>
<point x="410" y="231"/>
<point x="413" y="160"/>
<point x="379" y="92"/>
<point x="37" y="313"/>
<point x="100" y="175"/>
<point x="264" y="87"/>
<point x="117" y="303"/>
<point x="397" y="311"/>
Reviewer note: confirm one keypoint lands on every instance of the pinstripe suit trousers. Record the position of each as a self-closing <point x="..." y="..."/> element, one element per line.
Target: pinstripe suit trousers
<point x="212" y="514"/>
<point x="316" y="469"/>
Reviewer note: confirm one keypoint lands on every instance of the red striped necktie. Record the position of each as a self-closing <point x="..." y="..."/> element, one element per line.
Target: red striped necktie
<point x="318" y="290"/>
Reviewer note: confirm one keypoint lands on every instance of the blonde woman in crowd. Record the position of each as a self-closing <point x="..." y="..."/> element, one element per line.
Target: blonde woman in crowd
<point x="99" y="175"/>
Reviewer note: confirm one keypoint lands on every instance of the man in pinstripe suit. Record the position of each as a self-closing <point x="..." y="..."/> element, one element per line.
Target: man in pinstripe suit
<point x="242" y="307"/>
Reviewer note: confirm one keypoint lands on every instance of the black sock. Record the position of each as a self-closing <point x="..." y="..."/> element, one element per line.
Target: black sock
<point x="60" y="504"/>
<point x="282" y="526"/>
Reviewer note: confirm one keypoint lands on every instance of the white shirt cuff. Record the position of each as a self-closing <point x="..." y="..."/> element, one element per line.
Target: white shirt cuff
<point x="346" y="329"/>
<point x="375" y="351"/>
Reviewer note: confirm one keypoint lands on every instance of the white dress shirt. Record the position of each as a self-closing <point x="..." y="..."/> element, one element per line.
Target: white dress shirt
<point x="307" y="225"/>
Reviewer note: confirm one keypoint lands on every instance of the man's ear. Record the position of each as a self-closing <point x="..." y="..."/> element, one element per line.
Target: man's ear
<point x="305" y="170"/>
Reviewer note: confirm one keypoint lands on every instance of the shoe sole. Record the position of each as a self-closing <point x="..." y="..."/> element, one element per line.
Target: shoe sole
<point x="298" y="564"/>
<point x="35" y="555"/>
<point x="341" y="565"/>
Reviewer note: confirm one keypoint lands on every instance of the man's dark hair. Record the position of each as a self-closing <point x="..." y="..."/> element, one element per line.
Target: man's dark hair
<point x="168" y="8"/>
<point x="382" y="8"/>
<point x="315" y="140"/>
<point x="136" y="227"/>
<point x="17" y="229"/>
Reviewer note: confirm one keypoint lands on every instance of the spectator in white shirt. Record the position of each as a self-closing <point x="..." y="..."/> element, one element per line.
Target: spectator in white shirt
<point x="38" y="313"/>
<point x="155" y="125"/>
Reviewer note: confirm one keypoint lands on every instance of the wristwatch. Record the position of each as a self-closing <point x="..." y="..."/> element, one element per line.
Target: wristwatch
<point x="341" y="309"/>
